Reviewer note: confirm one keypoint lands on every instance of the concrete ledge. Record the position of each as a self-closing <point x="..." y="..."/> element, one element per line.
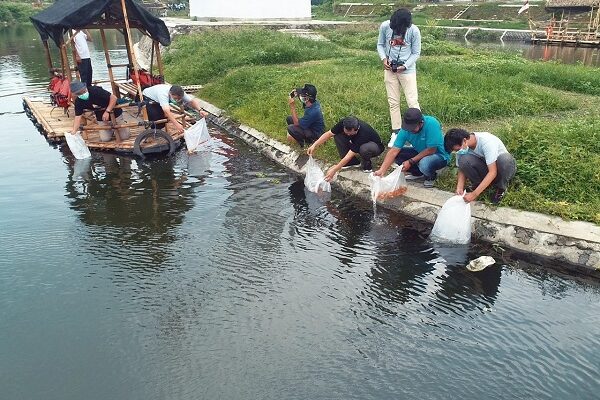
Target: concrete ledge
<point x="573" y="243"/>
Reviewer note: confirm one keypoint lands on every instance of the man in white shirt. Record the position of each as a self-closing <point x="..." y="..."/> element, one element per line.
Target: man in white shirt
<point x="162" y="96"/>
<point x="84" y="63"/>
<point x="483" y="159"/>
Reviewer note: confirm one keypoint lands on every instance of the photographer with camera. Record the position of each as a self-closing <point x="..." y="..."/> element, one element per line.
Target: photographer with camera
<point x="399" y="47"/>
<point x="309" y="128"/>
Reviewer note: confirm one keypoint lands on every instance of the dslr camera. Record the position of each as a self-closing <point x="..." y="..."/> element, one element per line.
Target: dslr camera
<point x="293" y="93"/>
<point x="394" y="64"/>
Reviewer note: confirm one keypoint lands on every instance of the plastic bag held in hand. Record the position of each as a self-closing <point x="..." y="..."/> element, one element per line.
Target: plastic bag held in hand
<point x="453" y="223"/>
<point x="315" y="178"/>
<point x="77" y="145"/>
<point x="391" y="186"/>
<point x="196" y="135"/>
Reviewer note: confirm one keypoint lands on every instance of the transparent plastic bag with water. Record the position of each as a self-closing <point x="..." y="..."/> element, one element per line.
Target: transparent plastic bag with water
<point x="77" y="145"/>
<point x="315" y="178"/>
<point x="391" y="186"/>
<point x="453" y="223"/>
<point x="197" y="136"/>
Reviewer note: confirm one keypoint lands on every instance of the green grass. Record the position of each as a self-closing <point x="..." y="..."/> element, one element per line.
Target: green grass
<point x="203" y="57"/>
<point x="548" y="114"/>
<point x="15" y="12"/>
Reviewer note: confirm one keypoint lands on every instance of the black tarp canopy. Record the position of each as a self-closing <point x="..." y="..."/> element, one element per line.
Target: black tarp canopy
<point x="63" y="15"/>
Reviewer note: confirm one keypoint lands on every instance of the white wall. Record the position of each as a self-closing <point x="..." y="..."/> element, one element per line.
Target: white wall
<point x="249" y="9"/>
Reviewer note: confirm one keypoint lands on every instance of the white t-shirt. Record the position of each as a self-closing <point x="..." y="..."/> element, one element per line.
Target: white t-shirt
<point x="160" y="94"/>
<point x="488" y="147"/>
<point x="81" y="45"/>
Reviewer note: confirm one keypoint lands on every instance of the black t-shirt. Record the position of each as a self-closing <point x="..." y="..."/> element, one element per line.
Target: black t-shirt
<point x="364" y="135"/>
<point x="99" y="98"/>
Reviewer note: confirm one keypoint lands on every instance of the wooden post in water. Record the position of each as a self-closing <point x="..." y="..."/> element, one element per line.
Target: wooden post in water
<point x="115" y="88"/>
<point x="65" y="60"/>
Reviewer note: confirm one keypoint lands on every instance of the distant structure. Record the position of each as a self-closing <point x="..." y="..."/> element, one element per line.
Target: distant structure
<point x="562" y="30"/>
<point x="224" y="10"/>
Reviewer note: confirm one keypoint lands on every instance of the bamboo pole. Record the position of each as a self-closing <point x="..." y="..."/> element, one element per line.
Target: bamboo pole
<point x="48" y="55"/>
<point x="159" y="59"/>
<point x="130" y="49"/>
<point x="65" y="61"/>
<point x="115" y="88"/>
<point x="73" y="52"/>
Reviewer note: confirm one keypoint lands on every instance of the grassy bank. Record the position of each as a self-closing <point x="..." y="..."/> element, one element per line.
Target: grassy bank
<point x="546" y="113"/>
<point x="16" y="12"/>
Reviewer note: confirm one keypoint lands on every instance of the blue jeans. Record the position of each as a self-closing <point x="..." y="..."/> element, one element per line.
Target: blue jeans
<point x="426" y="166"/>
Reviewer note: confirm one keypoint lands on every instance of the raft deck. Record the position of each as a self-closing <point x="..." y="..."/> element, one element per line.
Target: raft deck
<point x="53" y="122"/>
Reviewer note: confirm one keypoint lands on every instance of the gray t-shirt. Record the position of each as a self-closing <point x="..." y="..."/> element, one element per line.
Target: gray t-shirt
<point x="488" y="147"/>
<point x="160" y="94"/>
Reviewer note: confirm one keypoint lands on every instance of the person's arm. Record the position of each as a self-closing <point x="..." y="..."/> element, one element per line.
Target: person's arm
<point x="292" y="104"/>
<point x="415" y="160"/>
<point x="460" y="183"/>
<point x="415" y="48"/>
<point x="88" y="37"/>
<point x="387" y="161"/>
<point x="381" y="41"/>
<point x="322" y="139"/>
<point x="76" y="123"/>
<point x="334" y="170"/>
<point x="109" y="108"/>
<point x="487" y="181"/>
<point x="172" y="118"/>
<point x="195" y="104"/>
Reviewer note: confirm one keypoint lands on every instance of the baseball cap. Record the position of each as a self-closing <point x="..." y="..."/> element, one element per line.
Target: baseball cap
<point x="411" y="118"/>
<point x="308" y="90"/>
<point x="77" y="86"/>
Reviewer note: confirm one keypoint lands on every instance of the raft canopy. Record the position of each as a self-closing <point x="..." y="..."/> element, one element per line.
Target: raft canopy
<point x="63" y="15"/>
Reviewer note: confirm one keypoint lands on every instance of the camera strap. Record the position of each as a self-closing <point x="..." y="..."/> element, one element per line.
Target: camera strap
<point x="390" y="48"/>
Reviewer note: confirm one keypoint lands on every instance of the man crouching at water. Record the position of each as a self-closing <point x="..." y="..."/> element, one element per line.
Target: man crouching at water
<point x="352" y="137"/>
<point x="307" y="129"/>
<point x="103" y="103"/>
<point x="483" y="159"/>
<point x="164" y="95"/>
<point x="426" y="154"/>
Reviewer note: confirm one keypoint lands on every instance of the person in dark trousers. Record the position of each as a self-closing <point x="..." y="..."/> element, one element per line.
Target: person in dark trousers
<point x="307" y="129"/>
<point x="82" y="56"/>
<point x="425" y="156"/>
<point x="103" y="104"/>
<point x="481" y="158"/>
<point x="352" y="137"/>
<point x="161" y="96"/>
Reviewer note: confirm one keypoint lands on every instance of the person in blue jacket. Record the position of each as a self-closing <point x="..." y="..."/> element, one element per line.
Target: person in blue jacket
<point x="310" y="127"/>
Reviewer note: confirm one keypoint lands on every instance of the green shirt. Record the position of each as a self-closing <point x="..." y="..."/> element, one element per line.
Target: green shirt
<point x="430" y="135"/>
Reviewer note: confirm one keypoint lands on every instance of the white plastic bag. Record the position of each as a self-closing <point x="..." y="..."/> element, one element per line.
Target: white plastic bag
<point x="196" y="135"/>
<point x="453" y="223"/>
<point x="77" y="145"/>
<point x="315" y="178"/>
<point x="391" y="186"/>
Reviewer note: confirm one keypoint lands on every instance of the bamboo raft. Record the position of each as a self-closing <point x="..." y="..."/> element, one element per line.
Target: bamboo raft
<point x="53" y="122"/>
<point x="60" y="22"/>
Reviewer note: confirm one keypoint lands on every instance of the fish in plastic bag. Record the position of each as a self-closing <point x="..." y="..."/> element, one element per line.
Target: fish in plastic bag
<point x="77" y="145"/>
<point x="453" y="223"/>
<point x="196" y="135"/>
<point x="315" y="178"/>
<point x="391" y="186"/>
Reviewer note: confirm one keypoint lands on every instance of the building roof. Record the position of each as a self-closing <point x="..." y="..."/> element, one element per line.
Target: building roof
<point x="581" y="4"/>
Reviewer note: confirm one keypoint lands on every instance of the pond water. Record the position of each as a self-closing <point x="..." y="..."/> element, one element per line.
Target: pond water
<point x="216" y="276"/>
<point x="564" y="54"/>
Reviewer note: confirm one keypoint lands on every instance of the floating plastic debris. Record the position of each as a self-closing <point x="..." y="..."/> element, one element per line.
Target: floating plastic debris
<point x="479" y="264"/>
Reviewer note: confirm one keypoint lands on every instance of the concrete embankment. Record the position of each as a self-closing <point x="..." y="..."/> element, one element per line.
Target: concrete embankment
<point x="574" y="244"/>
